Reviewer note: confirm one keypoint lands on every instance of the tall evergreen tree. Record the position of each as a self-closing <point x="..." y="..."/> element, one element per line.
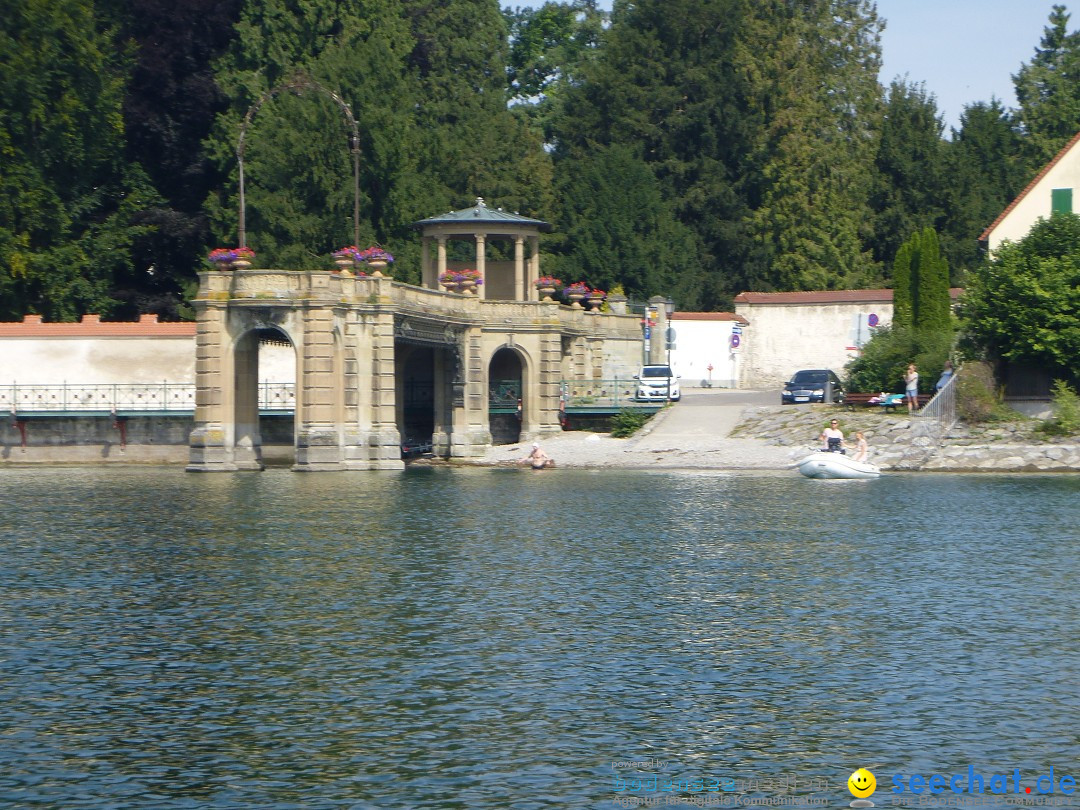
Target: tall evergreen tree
<point x="1048" y="89"/>
<point x="921" y="285"/>
<point x="821" y="97"/>
<point x="985" y="171"/>
<point x="910" y="179"/>
<point x="298" y="162"/>
<point x="618" y="229"/>
<point x="67" y="200"/>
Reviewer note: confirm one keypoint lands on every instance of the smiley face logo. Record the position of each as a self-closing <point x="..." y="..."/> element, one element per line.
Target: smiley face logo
<point x="862" y="783"/>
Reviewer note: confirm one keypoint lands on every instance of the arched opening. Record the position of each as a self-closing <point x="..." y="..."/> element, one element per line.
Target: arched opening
<point x="505" y="397"/>
<point x="416" y="398"/>
<point x="265" y="399"/>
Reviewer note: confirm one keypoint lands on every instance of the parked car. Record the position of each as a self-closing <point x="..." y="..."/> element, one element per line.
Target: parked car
<point x="657" y="383"/>
<point x="808" y="385"/>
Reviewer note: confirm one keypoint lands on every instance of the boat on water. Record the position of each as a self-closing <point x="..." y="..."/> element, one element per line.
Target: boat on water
<point x="822" y="464"/>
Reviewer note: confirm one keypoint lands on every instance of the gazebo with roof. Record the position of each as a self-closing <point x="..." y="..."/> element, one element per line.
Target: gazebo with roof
<point x="513" y="281"/>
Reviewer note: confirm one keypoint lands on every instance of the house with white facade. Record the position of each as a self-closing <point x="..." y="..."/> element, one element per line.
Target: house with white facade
<point x="1053" y="189"/>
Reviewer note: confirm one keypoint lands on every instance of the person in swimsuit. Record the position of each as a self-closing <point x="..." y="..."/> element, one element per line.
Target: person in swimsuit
<point x="537" y="458"/>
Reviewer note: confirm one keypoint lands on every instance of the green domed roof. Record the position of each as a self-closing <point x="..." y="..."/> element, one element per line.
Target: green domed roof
<point x="481" y="214"/>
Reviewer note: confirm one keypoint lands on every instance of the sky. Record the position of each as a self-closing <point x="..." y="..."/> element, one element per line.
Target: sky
<point x="964" y="50"/>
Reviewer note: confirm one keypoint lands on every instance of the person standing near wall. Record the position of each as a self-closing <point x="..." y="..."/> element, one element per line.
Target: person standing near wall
<point x="911" y="388"/>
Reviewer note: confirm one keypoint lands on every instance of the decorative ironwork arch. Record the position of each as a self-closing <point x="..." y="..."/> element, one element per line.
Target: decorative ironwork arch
<point x="298" y="84"/>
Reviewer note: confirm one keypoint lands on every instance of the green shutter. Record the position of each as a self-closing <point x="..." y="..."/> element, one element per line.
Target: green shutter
<point x="1061" y="201"/>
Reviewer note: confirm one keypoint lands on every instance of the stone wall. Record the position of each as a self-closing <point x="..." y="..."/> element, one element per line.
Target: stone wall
<point x="98" y="439"/>
<point x="898" y="442"/>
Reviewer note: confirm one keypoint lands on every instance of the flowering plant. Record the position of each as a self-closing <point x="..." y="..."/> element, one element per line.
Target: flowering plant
<point x="231" y="254"/>
<point x="595" y="293"/>
<point x="350" y="252"/>
<point x="547" y="281"/>
<point x="577" y="288"/>
<point x="374" y="254"/>
<point x="461" y="276"/>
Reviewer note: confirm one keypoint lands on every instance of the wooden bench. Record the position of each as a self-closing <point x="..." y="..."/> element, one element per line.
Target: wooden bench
<point x="856" y="400"/>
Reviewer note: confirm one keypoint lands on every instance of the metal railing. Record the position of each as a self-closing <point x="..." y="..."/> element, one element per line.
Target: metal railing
<point x="942" y="406"/>
<point x="125" y="397"/>
<point x="600" y="394"/>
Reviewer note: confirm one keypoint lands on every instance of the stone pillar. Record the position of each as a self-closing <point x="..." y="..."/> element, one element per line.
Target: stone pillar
<point x="470" y="435"/>
<point x="549" y="379"/>
<point x="534" y="268"/>
<point x="481" y="263"/>
<point x="379" y="441"/>
<point x="211" y="440"/>
<point x="320" y="395"/>
<point x="427" y="277"/>
<point x="519" y="268"/>
<point x="445" y="367"/>
<point x="441" y="250"/>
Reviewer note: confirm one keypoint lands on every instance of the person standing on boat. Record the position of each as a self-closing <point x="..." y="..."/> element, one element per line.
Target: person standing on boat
<point x="833" y="437"/>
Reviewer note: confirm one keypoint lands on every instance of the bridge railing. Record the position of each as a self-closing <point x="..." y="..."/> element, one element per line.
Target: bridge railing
<point x="125" y="397"/>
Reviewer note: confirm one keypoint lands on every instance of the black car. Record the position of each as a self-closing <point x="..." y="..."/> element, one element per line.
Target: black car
<point x="808" y="385"/>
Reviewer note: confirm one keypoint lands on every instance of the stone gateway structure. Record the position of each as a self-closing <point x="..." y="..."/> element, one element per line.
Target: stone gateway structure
<point x="379" y="363"/>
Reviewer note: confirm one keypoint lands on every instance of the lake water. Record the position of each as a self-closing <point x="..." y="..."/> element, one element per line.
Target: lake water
<point x="499" y="638"/>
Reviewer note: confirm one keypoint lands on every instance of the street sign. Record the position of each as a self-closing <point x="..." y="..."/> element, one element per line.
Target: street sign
<point x="734" y="341"/>
<point x="671" y="335"/>
<point x="736" y="330"/>
<point x="648" y="331"/>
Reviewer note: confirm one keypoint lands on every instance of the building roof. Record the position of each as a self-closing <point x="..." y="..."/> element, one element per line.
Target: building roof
<point x="91" y="326"/>
<point x="825" y="297"/>
<point x="709" y="316"/>
<point x="481" y="214"/>
<point x="985" y="235"/>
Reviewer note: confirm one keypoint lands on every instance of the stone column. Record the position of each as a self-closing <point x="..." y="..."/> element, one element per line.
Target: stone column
<point x="481" y="263"/>
<point x="319" y="398"/>
<point x="534" y="268"/>
<point x="441" y="250"/>
<point x="379" y="438"/>
<point x="519" y="268"/>
<point x="427" y="277"/>
<point x="470" y="435"/>
<point x="211" y="440"/>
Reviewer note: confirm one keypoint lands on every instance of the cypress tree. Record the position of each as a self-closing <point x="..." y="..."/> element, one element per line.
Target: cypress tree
<point x="904" y="285"/>
<point x="932" y="289"/>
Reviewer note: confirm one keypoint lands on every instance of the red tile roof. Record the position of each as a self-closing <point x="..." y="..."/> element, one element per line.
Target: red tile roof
<point x="825" y="297"/>
<point x="92" y="326"/>
<point x="985" y="236"/>
<point x="709" y="316"/>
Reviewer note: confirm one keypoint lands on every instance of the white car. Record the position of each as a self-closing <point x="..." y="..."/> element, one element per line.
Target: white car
<point x="657" y="383"/>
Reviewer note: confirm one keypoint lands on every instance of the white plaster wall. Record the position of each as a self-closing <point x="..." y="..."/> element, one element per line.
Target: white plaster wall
<point x="107" y="360"/>
<point x="783" y="338"/>
<point x="1036" y="203"/>
<point x="701" y="343"/>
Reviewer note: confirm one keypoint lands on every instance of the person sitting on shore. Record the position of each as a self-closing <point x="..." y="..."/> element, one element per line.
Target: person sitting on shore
<point x="862" y="449"/>
<point x="834" y="438"/>
<point x="537" y="458"/>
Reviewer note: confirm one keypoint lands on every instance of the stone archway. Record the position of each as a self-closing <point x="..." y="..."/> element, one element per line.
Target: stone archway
<point x="261" y="407"/>
<point x="506" y="396"/>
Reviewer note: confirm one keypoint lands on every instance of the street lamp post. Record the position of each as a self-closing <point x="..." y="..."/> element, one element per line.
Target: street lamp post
<point x="669" y="310"/>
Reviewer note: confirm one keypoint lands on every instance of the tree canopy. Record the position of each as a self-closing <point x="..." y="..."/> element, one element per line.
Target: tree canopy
<point x="1024" y="304"/>
<point x="693" y="148"/>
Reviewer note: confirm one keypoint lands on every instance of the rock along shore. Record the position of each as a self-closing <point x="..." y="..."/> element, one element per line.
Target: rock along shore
<point x="774" y="437"/>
